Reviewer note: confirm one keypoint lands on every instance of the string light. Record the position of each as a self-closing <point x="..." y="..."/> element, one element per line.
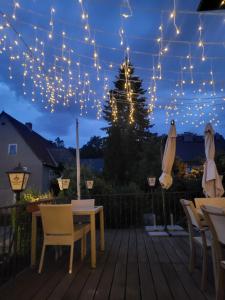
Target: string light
<point x="173" y="17"/>
<point x="61" y="80"/>
<point x="126" y="10"/>
<point x="16" y="5"/>
<point x="51" y="23"/>
<point x="201" y="43"/>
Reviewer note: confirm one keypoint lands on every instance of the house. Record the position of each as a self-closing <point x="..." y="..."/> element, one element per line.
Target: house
<point x="21" y="144"/>
<point x="190" y="148"/>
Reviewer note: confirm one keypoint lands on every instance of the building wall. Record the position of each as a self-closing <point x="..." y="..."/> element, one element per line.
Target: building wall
<point x="9" y="135"/>
<point x="48" y="175"/>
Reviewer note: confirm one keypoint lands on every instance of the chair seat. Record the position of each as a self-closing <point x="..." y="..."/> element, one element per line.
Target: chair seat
<point x="198" y="239"/>
<point x="223" y="264"/>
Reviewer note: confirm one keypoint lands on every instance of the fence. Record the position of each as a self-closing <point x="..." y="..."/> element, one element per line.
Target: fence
<point x="121" y="211"/>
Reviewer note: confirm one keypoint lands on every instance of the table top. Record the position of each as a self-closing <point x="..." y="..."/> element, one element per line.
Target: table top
<point x="81" y="211"/>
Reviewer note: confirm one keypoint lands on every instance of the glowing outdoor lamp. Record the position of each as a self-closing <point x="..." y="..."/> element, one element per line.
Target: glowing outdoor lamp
<point x="63" y="183"/>
<point x="89" y="184"/>
<point x="18" y="178"/>
<point x="151" y="181"/>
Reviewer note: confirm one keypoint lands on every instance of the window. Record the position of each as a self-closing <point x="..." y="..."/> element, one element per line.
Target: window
<point x="12" y="149"/>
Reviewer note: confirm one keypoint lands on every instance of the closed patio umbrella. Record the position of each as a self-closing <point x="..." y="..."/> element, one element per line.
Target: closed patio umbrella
<point x="166" y="179"/>
<point x="211" y="181"/>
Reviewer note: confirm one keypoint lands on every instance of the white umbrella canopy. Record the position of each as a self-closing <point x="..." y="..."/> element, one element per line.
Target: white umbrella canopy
<point x="166" y="179"/>
<point x="211" y="181"/>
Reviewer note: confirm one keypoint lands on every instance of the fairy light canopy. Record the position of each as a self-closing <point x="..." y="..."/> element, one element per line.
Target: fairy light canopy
<point x="65" y="57"/>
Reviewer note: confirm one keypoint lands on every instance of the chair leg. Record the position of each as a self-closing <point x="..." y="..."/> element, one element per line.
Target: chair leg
<point x="192" y="256"/>
<point x="42" y="258"/>
<point x="204" y="267"/>
<point x="85" y="245"/>
<point x="220" y="292"/>
<point x="71" y="259"/>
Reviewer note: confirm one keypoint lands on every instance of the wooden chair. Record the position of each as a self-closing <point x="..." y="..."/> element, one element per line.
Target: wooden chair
<point x="195" y="224"/>
<point x="216" y="219"/>
<point x="218" y="202"/>
<point x="58" y="227"/>
<point x="84" y="203"/>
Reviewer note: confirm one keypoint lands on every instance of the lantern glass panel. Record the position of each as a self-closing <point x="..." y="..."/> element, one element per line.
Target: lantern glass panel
<point x="60" y="183"/>
<point x="151" y="181"/>
<point x="89" y="184"/>
<point x="16" y="181"/>
<point x="65" y="183"/>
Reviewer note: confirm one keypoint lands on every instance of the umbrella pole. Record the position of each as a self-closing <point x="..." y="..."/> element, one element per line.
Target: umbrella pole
<point x="164" y="209"/>
<point x="78" y="159"/>
<point x="163" y="191"/>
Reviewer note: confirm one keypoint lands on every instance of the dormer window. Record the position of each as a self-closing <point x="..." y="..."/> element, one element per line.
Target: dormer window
<point x="12" y="149"/>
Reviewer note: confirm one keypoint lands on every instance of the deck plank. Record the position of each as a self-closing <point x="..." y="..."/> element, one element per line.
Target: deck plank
<point x="91" y="284"/>
<point x="146" y="277"/>
<point x="132" y="283"/>
<point x="104" y="287"/>
<point x="133" y="266"/>
<point x="160" y="283"/>
<point x="119" y="278"/>
<point x="183" y="247"/>
<point x="181" y="269"/>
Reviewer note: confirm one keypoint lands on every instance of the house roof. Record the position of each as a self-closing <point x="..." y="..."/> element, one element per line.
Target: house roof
<point x="39" y="145"/>
<point x="191" y="147"/>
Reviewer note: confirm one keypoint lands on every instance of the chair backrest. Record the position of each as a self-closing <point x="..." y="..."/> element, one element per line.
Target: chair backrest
<point x="216" y="218"/>
<point x="191" y="213"/>
<point x="84" y="203"/>
<point x="218" y="202"/>
<point x="57" y="219"/>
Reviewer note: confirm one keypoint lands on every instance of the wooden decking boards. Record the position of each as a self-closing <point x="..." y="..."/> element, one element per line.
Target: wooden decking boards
<point x="133" y="266"/>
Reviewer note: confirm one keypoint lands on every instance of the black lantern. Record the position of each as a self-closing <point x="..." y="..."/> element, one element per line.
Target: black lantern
<point x="18" y="178"/>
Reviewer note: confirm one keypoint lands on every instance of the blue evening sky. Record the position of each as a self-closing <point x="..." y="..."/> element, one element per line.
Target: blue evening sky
<point x="195" y="103"/>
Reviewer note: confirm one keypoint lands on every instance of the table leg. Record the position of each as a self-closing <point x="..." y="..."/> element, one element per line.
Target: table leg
<point x="93" y="242"/>
<point x="102" y="234"/>
<point x="33" y="240"/>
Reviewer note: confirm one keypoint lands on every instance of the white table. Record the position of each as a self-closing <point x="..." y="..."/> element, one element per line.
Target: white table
<point x="86" y="211"/>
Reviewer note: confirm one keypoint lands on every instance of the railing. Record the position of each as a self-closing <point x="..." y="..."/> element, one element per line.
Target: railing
<point x="121" y="211"/>
<point x="135" y="210"/>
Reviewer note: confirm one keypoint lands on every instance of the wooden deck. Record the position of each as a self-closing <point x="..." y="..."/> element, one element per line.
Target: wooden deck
<point x="133" y="266"/>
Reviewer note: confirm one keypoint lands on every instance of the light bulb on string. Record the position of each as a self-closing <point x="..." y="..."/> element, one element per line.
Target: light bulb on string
<point x="126" y="10"/>
<point x="173" y="17"/>
<point x="16" y="5"/>
<point x="51" y="23"/>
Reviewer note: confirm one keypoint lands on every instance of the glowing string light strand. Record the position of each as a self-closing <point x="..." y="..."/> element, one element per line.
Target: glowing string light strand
<point x="173" y="17"/>
<point x="51" y="23"/>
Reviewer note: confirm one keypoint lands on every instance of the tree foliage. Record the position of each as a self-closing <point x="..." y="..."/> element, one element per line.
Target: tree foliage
<point x="128" y="127"/>
<point x="93" y="148"/>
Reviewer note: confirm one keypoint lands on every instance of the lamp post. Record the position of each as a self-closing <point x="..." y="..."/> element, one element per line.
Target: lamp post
<point x="151" y="183"/>
<point x="18" y="178"/>
<point x="63" y="184"/>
